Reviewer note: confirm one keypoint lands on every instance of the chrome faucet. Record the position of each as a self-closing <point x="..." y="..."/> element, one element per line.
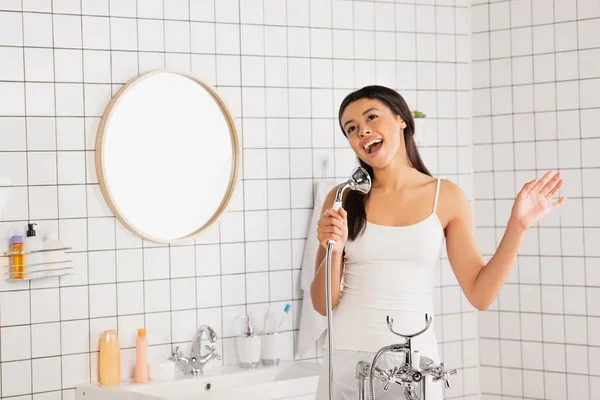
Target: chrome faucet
<point x="436" y="371"/>
<point x="194" y="365"/>
<point x="411" y="377"/>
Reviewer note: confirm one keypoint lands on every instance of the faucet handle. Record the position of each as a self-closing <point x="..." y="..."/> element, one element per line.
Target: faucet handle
<point x="177" y="355"/>
<point x="387" y="378"/>
<point x="213" y="352"/>
<point x="445" y="375"/>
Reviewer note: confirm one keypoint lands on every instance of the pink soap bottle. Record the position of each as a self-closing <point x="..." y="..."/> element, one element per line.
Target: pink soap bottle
<point x="141" y="362"/>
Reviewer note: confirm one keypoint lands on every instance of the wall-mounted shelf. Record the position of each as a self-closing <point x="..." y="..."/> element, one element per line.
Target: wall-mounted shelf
<point x="21" y="272"/>
<point x="10" y="253"/>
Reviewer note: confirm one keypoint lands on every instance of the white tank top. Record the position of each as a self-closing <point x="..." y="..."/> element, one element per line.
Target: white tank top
<point x="389" y="271"/>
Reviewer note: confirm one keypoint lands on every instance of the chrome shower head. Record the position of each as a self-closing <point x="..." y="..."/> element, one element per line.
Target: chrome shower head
<point x="361" y="180"/>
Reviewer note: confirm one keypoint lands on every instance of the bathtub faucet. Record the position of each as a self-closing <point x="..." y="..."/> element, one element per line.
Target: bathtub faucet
<point x="411" y="375"/>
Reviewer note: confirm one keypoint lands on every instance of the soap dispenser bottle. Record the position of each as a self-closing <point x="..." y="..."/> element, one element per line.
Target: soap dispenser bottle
<point x="34" y="258"/>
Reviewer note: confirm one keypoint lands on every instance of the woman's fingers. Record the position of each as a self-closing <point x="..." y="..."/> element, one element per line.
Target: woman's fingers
<point x="555" y="189"/>
<point x="545" y="184"/>
<point x="330" y="228"/>
<point x="331" y="214"/>
<point x="331" y="221"/>
<point x="550" y="184"/>
<point x="328" y="233"/>
<point x="558" y="202"/>
<point x="541" y="182"/>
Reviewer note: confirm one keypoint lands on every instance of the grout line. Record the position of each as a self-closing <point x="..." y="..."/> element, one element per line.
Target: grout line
<point x="291" y="245"/>
<point x="442" y="315"/>
<point x="114" y="219"/>
<point x="264" y="86"/>
<point x="264" y="149"/>
<point x="220" y="307"/>
<point x="498" y="298"/>
<point x="87" y="225"/>
<point x="227" y="23"/>
<point x="266" y="153"/>
<point x="58" y="291"/>
<point x="458" y="313"/>
<point x="585" y="258"/>
<point x="142" y="241"/>
<point x="458" y="169"/>
<point x="564" y="319"/>
<point x="193" y="241"/>
<point x="257" y="55"/>
<point x="517" y="264"/>
<point x="169" y="247"/>
<point x="537" y="228"/>
<point x="241" y="139"/>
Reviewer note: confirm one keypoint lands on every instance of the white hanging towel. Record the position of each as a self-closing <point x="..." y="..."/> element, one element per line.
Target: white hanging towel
<point x="312" y="324"/>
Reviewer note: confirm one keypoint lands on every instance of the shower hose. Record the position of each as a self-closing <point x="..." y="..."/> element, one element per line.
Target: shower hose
<point x="360" y="181"/>
<point x="336" y="206"/>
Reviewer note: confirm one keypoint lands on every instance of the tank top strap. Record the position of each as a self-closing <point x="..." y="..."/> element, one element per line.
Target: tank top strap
<point x="437" y="192"/>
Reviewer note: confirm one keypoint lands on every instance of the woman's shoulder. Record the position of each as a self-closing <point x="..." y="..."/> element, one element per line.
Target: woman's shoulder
<point x="450" y="190"/>
<point x="452" y="201"/>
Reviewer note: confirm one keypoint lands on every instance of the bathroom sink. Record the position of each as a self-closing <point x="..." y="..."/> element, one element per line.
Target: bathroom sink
<point x="291" y="380"/>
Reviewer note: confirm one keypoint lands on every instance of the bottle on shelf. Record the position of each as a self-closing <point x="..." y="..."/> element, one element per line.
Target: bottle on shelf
<point x="17" y="269"/>
<point x="54" y="255"/>
<point x="34" y="259"/>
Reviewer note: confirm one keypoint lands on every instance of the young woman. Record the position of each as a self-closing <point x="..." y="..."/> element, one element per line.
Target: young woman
<point x="388" y="242"/>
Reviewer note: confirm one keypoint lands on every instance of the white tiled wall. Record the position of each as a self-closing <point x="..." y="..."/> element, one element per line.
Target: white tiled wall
<point x="536" y="107"/>
<point x="283" y="67"/>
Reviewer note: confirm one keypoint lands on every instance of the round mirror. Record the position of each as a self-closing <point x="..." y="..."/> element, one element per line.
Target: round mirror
<point x="167" y="156"/>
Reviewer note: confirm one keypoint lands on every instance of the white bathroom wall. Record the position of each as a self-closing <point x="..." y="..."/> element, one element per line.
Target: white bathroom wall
<point x="536" y="107"/>
<point x="282" y="67"/>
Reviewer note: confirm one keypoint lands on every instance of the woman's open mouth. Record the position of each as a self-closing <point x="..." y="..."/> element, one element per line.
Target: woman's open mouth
<point x="373" y="146"/>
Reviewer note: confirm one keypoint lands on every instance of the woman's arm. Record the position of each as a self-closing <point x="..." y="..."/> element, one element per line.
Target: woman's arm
<point x="482" y="282"/>
<point x="319" y="283"/>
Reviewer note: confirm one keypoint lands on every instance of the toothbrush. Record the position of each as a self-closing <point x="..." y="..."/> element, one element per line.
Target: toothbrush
<point x="286" y="310"/>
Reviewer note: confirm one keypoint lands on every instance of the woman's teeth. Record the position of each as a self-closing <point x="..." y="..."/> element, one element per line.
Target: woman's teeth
<point x="372" y="145"/>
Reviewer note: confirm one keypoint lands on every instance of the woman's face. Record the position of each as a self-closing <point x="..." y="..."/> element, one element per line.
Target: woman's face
<point x="374" y="132"/>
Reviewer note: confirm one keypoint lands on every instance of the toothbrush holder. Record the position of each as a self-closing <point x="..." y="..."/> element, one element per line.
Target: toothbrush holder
<point x="270" y="348"/>
<point x="248" y="350"/>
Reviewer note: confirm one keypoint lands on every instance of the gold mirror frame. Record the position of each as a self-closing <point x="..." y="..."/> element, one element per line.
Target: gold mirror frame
<point x="104" y="187"/>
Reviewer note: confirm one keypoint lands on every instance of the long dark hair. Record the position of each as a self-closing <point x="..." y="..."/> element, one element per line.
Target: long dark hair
<point x="355" y="201"/>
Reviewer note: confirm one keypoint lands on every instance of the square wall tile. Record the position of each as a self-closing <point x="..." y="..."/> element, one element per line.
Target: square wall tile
<point x="130" y="298"/>
<point x="16" y="378"/>
<point x="16" y="344"/>
<point x="45" y="305"/>
<point x="14" y="308"/>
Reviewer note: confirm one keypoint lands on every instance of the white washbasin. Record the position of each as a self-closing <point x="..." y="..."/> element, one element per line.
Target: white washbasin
<point x="290" y="380"/>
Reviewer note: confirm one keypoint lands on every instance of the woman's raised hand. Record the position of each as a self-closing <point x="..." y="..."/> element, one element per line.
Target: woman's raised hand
<point x="333" y="225"/>
<point x="534" y="199"/>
